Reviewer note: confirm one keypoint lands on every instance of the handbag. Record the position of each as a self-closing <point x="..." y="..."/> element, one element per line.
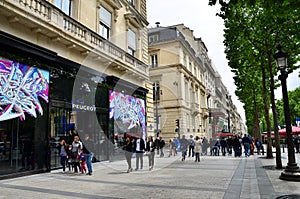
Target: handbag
<point x="146" y="153"/>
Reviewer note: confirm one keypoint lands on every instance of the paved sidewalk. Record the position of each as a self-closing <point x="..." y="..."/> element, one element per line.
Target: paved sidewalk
<point x="214" y="177"/>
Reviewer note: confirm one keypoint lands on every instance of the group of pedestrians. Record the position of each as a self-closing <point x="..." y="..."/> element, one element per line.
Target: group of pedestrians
<point x="140" y="148"/>
<point x="76" y="154"/>
<point x="235" y="145"/>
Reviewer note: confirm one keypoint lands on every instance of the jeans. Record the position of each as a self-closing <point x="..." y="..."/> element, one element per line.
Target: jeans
<point x="151" y="159"/>
<point x="63" y="162"/>
<point x="128" y="156"/>
<point x="191" y="151"/>
<point x="197" y="154"/>
<point x="139" y="158"/>
<point x="247" y="149"/>
<point x="89" y="158"/>
<point x="183" y="153"/>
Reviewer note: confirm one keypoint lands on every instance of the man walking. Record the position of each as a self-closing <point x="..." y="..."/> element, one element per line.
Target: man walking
<point x="191" y="146"/>
<point x="139" y="147"/>
<point x="246" y="142"/>
<point x="161" y="146"/>
<point x="88" y="148"/>
<point x="184" y="144"/>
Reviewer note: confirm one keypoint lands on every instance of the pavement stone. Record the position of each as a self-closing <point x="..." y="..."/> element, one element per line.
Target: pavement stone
<point x="214" y="177"/>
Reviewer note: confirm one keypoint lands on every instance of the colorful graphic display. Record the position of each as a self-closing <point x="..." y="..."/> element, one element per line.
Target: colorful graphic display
<point x="20" y="88"/>
<point x="127" y="111"/>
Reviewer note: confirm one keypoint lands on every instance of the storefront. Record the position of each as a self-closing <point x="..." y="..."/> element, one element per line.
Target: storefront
<point x="43" y="98"/>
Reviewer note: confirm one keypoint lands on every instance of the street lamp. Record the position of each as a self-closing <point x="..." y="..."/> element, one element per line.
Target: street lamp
<point x="157" y="93"/>
<point x="291" y="172"/>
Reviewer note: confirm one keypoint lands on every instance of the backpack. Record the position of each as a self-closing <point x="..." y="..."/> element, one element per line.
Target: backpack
<point x="258" y="143"/>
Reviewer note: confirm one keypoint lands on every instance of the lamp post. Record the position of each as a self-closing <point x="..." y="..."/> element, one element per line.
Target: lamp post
<point x="157" y="93"/>
<point x="291" y="172"/>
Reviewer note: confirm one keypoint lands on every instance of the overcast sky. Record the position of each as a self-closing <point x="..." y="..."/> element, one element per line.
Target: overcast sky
<point x="202" y="19"/>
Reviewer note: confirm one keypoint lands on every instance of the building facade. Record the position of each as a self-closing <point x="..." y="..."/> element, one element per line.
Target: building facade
<point x="178" y="83"/>
<point x="189" y="95"/>
<point x="70" y="66"/>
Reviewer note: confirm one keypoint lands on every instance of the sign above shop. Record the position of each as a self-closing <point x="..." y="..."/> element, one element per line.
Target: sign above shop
<point x="83" y="107"/>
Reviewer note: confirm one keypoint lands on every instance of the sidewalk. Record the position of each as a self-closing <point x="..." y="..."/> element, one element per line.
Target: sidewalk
<point x="214" y="177"/>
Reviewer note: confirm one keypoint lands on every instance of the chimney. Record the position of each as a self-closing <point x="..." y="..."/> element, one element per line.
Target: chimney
<point x="157" y="24"/>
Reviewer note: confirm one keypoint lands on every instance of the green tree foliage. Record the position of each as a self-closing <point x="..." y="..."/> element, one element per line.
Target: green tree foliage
<point x="294" y="102"/>
<point x="253" y="29"/>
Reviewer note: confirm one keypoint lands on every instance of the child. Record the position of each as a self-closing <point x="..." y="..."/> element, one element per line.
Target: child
<point x="82" y="161"/>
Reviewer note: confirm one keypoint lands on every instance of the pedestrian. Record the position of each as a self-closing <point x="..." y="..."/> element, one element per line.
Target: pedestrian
<point x="127" y="147"/>
<point x="88" y="150"/>
<point x="76" y="149"/>
<point x="223" y="143"/>
<point x="157" y="145"/>
<point x="258" y="145"/>
<point x="139" y="148"/>
<point x="229" y="145"/>
<point x="246" y="142"/>
<point x="191" y="146"/>
<point x="237" y="147"/>
<point x="82" y="161"/>
<point x="176" y="145"/>
<point x="63" y="154"/>
<point x="161" y="146"/>
<point x="198" y="148"/>
<point x="296" y="142"/>
<point x="184" y="144"/>
<point x="150" y="148"/>
<point x="171" y="148"/>
<point x="205" y="146"/>
<point x="69" y="158"/>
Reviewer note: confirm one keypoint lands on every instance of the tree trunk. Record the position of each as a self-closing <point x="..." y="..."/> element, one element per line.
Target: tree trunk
<point x="266" y="110"/>
<point x="274" y="111"/>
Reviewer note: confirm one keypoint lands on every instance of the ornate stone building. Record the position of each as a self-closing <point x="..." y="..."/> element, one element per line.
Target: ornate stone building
<point x="88" y="62"/>
<point x="177" y="72"/>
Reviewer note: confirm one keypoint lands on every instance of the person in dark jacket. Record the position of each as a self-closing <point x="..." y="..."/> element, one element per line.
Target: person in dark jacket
<point x="88" y="149"/>
<point x="223" y="143"/>
<point x="150" y="148"/>
<point x="237" y="147"/>
<point x="127" y="147"/>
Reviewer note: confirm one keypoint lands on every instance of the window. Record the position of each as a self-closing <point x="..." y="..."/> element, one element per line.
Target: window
<point x="132" y="2"/>
<point x="153" y="38"/>
<point x="105" y="23"/>
<point x="64" y="5"/>
<point x="153" y="61"/>
<point x="131" y="39"/>
<point x="184" y="59"/>
<point x="186" y="90"/>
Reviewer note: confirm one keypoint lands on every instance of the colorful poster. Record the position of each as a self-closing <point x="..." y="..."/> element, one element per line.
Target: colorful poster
<point x="21" y="89"/>
<point x="127" y="111"/>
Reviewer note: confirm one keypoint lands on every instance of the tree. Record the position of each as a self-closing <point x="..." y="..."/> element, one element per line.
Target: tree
<point x="253" y="30"/>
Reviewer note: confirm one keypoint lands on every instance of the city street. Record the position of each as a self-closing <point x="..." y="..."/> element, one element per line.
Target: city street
<point x="214" y="177"/>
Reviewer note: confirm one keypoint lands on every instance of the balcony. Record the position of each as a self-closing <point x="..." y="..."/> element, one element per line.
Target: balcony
<point x="44" y="18"/>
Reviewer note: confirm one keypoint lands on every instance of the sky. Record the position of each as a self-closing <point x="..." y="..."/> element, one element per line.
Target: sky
<point x="198" y="16"/>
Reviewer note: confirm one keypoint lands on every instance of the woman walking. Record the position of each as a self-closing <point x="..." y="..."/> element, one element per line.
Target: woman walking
<point x="198" y="149"/>
<point x="128" y="152"/>
<point x="150" y="148"/>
